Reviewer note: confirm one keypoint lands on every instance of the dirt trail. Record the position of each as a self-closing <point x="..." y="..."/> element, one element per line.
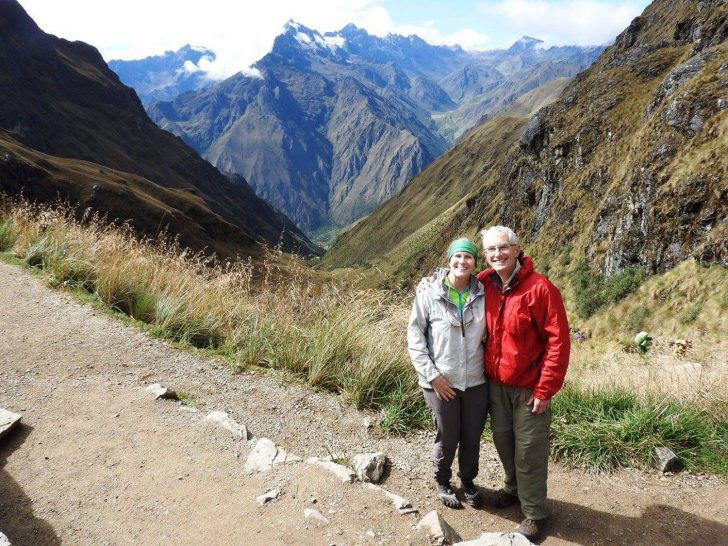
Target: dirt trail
<point x="97" y="461"/>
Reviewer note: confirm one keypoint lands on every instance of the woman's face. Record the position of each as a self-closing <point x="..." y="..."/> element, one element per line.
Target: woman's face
<point x="462" y="264"/>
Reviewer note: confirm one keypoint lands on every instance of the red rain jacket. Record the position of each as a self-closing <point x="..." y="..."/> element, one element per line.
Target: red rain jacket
<point x="528" y="333"/>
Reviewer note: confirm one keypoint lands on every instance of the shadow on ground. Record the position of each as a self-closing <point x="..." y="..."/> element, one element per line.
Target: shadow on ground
<point x="658" y="524"/>
<point x="17" y="520"/>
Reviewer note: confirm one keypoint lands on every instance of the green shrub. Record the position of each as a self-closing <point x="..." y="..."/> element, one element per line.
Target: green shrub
<point x="592" y="291"/>
<point x="621" y="284"/>
<point x="588" y="293"/>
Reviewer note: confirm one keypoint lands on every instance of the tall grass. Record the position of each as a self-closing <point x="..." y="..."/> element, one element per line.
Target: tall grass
<point x="609" y="428"/>
<point x="273" y="313"/>
<point x="276" y="313"/>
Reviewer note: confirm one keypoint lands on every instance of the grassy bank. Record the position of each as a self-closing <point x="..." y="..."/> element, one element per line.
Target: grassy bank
<point x="280" y="315"/>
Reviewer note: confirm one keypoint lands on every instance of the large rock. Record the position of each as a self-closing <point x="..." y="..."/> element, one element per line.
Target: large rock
<point x="345" y="474"/>
<point x="225" y="421"/>
<point x="370" y="466"/>
<point x="8" y="421"/>
<point x="265" y="454"/>
<point x="438" y="530"/>
<point x="4" y="541"/>
<point x="498" y="539"/>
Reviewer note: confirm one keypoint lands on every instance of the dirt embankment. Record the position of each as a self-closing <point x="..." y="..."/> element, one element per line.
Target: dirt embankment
<point x="97" y="461"/>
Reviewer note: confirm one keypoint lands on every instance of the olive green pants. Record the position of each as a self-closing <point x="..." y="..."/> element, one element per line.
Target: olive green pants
<point x="522" y="441"/>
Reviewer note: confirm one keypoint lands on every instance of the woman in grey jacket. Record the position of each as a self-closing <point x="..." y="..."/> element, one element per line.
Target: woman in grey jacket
<point x="445" y="343"/>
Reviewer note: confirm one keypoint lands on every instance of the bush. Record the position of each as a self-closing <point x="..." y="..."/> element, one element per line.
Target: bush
<point x="621" y="284"/>
<point x="592" y="291"/>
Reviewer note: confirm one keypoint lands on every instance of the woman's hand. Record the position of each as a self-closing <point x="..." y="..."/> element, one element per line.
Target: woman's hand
<point x="443" y="388"/>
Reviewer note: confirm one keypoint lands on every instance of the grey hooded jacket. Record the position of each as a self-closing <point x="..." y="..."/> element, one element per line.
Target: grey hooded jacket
<point x="439" y="344"/>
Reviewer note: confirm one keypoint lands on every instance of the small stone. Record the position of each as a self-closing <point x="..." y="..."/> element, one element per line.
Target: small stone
<point x="666" y="460"/>
<point x="310" y="513"/>
<point x="345" y="474"/>
<point x="370" y="467"/>
<point x="8" y="421"/>
<point x="265" y="454"/>
<point x="371" y="534"/>
<point x="438" y="530"/>
<point x="4" y="541"/>
<point x="221" y="418"/>
<point x="402" y="505"/>
<point x="498" y="539"/>
<point x="268" y="496"/>
<point x="158" y="391"/>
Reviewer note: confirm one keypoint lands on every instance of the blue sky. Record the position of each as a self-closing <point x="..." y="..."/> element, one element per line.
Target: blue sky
<point x="242" y="32"/>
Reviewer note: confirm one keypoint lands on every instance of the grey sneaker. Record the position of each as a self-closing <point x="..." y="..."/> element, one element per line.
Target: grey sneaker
<point x="447" y="496"/>
<point x="502" y="499"/>
<point x="531" y="528"/>
<point x="471" y="493"/>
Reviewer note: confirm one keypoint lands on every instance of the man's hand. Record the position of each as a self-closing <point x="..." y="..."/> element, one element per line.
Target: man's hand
<point x="539" y="406"/>
<point x="443" y="388"/>
<point x="424" y="283"/>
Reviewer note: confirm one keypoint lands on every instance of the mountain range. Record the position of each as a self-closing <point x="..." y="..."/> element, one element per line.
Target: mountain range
<point x="163" y="77"/>
<point x="628" y="167"/>
<point x="337" y="123"/>
<point x="70" y="129"/>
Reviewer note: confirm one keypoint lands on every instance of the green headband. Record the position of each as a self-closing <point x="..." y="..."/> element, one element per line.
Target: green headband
<point x="462" y="245"/>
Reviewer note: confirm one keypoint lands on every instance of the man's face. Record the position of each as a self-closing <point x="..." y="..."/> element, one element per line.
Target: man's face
<point x="501" y="255"/>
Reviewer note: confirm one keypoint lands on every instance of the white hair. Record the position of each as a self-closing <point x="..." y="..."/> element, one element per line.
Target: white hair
<point x="496" y="230"/>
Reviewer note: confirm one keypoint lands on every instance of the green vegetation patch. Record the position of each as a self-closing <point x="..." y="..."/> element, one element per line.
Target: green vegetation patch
<point x="592" y="291"/>
<point x="611" y="428"/>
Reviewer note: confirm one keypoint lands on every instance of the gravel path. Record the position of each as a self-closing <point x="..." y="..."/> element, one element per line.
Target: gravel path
<point x="97" y="461"/>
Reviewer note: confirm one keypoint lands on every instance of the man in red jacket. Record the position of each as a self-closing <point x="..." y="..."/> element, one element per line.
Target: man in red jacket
<point x="526" y="356"/>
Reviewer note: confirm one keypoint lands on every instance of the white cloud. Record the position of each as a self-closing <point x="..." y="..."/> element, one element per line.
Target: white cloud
<point x="579" y="22"/>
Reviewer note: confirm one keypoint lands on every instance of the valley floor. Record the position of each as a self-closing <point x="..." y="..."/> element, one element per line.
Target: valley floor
<point x="97" y="461"/>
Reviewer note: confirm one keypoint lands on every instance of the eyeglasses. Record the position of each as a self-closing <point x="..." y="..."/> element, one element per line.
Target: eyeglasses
<point x="499" y="248"/>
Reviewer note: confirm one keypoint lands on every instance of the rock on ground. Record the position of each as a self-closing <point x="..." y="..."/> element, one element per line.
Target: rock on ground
<point x="8" y="421"/>
<point x="226" y="422"/>
<point x="370" y="466"/>
<point x="498" y="539"/>
<point x="265" y="454"/>
<point x="438" y="530"/>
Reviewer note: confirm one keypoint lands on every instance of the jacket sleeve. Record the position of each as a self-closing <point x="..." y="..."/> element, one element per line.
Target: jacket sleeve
<point x="554" y="329"/>
<point x="417" y="338"/>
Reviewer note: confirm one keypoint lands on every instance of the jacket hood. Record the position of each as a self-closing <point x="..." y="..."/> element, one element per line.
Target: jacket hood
<point x="438" y="287"/>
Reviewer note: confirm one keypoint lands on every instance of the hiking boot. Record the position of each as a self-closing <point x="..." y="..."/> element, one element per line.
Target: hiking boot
<point x="447" y="496"/>
<point x="531" y="528"/>
<point x="471" y="493"/>
<point x="502" y="499"/>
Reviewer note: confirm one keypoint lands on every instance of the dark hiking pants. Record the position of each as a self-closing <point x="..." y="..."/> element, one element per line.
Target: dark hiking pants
<point x="459" y="424"/>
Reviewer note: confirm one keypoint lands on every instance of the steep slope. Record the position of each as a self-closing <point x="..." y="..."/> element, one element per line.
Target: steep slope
<point x="60" y="98"/>
<point x="627" y="167"/>
<point x="340" y="122"/>
<point x="123" y="197"/>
